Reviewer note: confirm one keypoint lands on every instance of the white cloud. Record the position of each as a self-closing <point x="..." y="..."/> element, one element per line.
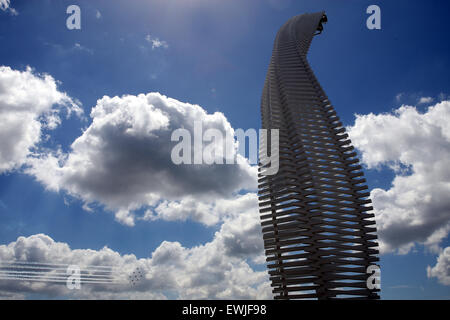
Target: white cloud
<point x="123" y="161"/>
<point x="417" y="147"/>
<point x="5" y="5"/>
<point x="208" y="212"/>
<point x="441" y="270"/>
<point x="156" y="43"/>
<point x="29" y="102"/>
<point x="240" y="234"/>
<point x="98" y="14"/>
<point x="424" y="100"/>
<point x="215" y="270"/>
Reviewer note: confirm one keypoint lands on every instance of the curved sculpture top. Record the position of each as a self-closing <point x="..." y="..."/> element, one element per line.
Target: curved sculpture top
<point x="319" y="235"/>
<point x="301" y="30"/>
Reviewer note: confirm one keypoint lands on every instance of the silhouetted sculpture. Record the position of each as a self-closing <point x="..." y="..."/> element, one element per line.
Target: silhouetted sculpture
<point x="319" y="236"/>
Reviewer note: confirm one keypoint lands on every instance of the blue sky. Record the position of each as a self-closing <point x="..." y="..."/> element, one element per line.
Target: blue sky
<point x="216" y="56"/>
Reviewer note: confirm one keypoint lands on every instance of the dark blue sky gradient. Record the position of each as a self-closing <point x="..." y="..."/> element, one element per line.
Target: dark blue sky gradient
<point x="217" y="57"/>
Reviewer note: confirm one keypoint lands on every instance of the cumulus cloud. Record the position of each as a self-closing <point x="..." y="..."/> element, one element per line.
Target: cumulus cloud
<point x="123" y="161"/>
<point x="441" y="270"/>
<point x="241" y="233"/>
<point x="209" y="212"/>
<point x="215" y="270"/>
<point x="29" y="103"/>
<point x="415" y="209"/>
<point x="156" y="43"/>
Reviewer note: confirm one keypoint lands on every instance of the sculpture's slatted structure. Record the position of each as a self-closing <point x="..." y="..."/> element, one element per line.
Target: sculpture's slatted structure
<point x="319" y="235"/>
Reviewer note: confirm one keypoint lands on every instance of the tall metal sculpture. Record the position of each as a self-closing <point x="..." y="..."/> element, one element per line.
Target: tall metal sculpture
<point x="319" y="235"/>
